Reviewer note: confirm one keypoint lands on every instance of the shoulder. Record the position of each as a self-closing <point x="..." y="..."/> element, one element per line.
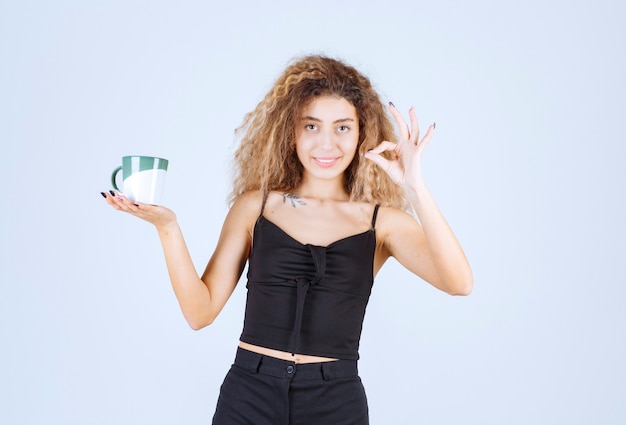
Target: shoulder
<point x="248" y="201"/>
<point x="274" y="198"/>
<point x="393" y="223"/>
<point x="245" y="210"/>
<point x="389" y="216"/>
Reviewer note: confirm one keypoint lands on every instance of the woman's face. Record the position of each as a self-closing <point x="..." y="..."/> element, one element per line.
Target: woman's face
<point x="327" y="135"/>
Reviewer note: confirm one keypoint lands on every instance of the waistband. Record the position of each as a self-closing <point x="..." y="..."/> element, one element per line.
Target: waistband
<point x="258" y="363"/>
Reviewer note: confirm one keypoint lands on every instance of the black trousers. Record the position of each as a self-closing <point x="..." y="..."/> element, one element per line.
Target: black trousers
<point x="261" y="390"/>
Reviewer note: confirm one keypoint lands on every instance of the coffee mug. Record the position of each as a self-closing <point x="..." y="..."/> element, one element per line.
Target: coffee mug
<point x="143" y="178"/>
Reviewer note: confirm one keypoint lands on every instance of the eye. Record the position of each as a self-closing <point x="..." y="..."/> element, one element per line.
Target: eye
<point x="311" y="127"/>
<point x="343" y="129"/>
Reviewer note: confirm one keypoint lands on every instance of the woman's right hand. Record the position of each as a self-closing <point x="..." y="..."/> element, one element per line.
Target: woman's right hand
<point x="160" y="216"/>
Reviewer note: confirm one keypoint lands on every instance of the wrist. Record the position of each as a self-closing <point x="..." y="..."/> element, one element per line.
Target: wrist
<point x="415" y="189"/>
<point x="167" y="227"/>
<point x="416" y="194"/>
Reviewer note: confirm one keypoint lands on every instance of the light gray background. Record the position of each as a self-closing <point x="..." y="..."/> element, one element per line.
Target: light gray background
<point x="526" y="164"/>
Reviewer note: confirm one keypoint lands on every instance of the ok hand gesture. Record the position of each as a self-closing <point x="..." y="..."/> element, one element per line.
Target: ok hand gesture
<point x="405" y="168"/>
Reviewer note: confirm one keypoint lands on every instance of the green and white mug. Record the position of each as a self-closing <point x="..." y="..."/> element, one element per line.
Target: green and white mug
<point x="143" y="178"/>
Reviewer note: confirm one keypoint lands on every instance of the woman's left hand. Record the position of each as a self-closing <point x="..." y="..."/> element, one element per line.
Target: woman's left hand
<point x="405" y="169"/>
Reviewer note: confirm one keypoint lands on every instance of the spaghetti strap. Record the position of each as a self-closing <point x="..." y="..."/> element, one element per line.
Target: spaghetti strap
<point x="265" y="195"/>
<point x="375" y="215"/>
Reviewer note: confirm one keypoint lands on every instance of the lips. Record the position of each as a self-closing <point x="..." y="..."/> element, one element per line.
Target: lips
<point x="326" y="162"/>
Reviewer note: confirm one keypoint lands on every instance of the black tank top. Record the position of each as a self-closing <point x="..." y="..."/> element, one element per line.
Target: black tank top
<point x="308" y="299"/>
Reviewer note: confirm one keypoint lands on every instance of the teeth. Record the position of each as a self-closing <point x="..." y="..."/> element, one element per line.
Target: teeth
<point x="326" y="161"/>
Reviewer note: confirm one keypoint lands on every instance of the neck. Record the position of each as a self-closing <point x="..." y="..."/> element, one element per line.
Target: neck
<point x="323" y="189"/>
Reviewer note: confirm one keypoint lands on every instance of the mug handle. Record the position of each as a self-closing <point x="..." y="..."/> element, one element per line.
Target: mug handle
<point x="113" y="176"/>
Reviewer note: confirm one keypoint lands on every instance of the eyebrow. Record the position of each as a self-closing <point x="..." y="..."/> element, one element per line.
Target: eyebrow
<point x="340" y="120"/>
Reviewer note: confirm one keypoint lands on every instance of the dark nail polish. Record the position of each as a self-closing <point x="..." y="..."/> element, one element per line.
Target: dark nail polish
<point x="391" y="104"/>
<point x="434" y="124"/>
<point x="112" y="193"/>
<point x="369" y="150"/>
<point x="136" y="204"/>
<point x="104" y="195"/>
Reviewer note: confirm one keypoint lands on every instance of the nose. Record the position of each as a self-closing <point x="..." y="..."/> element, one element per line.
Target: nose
<point x="326" y="141"/>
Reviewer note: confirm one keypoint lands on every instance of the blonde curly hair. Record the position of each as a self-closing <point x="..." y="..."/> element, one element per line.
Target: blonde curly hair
<point x="266" y="158"/>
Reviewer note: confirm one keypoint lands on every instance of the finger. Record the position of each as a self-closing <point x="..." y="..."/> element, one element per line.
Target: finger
<point x="384" y="146"/>
<point x="415" y="129"/>
<point x="402" y="125"/>
<point x="121" y="202"/>
<point x="110" y="198"/>
<point x="429" y="134"/>
<point x="130" y="205"/>
<point x="378" y="159"/>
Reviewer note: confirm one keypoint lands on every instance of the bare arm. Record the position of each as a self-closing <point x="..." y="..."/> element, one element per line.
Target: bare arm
<point x="200" y="299"/>
<point x="428" y="248"/>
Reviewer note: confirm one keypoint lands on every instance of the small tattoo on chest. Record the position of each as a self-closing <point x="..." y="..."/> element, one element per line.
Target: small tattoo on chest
<point x="293" y="199"/>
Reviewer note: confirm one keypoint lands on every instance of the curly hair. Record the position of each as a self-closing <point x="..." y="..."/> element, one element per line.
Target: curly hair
<point x="266" y="158"/>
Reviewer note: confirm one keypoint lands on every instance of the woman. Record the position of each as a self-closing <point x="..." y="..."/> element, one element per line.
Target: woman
<point x="318" y="206"/>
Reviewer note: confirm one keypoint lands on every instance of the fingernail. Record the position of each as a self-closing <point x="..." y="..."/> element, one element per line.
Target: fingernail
<point x="391" y="104"/>
<point x="434" y="124"/>
<point x="104" y="195"/>
<point x="112" y="193"/>
<point x="136" y="204"/>
<point x="369" y="150"/>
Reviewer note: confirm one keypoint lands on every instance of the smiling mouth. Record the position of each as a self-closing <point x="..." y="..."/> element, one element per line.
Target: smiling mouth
<point x="325" y="162"/>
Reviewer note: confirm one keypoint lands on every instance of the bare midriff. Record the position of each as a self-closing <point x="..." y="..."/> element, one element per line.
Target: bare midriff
<point x="283" y="355"/>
